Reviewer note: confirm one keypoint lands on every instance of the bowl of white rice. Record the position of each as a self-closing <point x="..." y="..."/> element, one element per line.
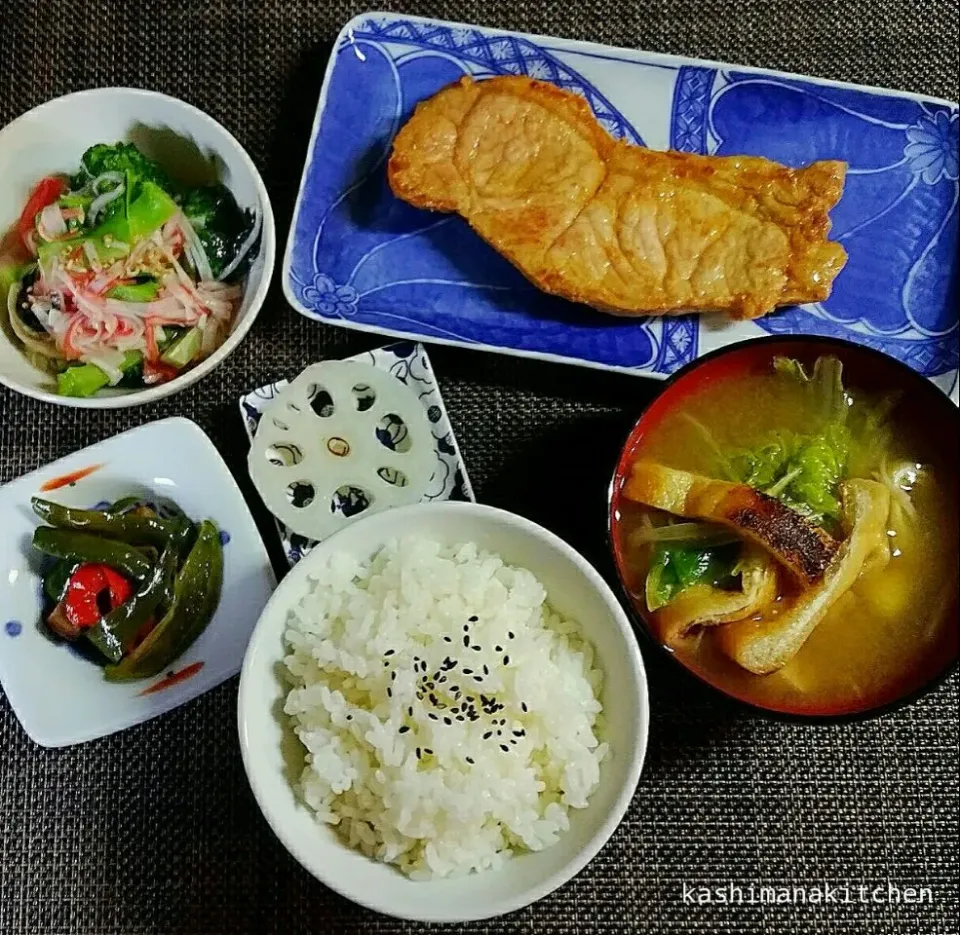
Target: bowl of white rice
<point x="443" y="712"/>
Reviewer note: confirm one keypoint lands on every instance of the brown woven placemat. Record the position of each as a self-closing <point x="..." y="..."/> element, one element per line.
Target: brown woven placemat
<point x="154" y="830"/>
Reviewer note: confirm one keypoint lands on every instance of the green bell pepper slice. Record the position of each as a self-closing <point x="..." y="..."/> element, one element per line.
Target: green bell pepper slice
<point x="83" y="547"/>
<point x="115" y="633"/>
<point x="196" y="594"/>
<point x="124" y="527"/>
<point x="56" y="579"/>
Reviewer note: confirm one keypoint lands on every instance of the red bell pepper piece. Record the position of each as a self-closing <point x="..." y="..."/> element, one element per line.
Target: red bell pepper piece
<point x="93" y="591"/>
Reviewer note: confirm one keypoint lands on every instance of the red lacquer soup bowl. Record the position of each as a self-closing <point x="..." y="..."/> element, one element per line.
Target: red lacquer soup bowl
<point x="827" y="679"/>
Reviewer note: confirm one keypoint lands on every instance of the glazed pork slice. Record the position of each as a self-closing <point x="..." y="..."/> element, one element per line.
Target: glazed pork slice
<point x="625" y="229"/>
<point x="768" y="641"/>
<point x="803" y="548"/>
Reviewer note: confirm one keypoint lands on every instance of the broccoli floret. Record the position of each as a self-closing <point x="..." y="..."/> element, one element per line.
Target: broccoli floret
<point x="220" y="224"/>
<point x="125" y="158"/>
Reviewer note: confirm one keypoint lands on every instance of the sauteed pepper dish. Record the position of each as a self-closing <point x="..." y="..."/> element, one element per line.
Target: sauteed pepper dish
<point x="135" y="583"/>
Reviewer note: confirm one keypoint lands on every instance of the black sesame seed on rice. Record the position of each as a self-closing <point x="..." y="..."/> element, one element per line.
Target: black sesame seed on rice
<point x="466" y="641"/>
<point x="510" y="634"/>
<point x="468" y="671"/>
<point x="447" y="721"/>
<point x="498" y="648"/>
<point x="488" y="735"/>
<point x="505" y="748"/>
<point x="428" y="751"/>
<point x="418" y="753"/>
<point x="523" y="706"/>
<point x="506" y="660"/>
<point x="474" y="618"/>
<point x="432" y="716"/>
<point x="447" y="639"/>
<point x="403" y="729"/>
<point x="470" y="760"/>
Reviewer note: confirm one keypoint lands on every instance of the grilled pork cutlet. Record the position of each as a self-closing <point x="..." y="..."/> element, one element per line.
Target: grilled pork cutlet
<point x="622" y="228"/>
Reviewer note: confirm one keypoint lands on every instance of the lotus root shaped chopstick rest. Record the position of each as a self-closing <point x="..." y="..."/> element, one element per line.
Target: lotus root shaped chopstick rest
<point x="343" y="440"/>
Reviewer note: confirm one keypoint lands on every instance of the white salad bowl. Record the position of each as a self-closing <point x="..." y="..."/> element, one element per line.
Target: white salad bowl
<point x="51" y="138"/>
<point x="273" y="756"/>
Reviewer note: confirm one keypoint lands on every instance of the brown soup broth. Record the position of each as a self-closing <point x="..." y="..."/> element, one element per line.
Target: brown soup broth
<point x="895" y="628"/>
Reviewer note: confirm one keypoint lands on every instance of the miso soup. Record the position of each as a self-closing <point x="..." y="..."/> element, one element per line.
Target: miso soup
<point x="876" y="618"/>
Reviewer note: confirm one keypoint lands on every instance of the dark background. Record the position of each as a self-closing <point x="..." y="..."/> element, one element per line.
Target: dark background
<point x="154" y="830"/>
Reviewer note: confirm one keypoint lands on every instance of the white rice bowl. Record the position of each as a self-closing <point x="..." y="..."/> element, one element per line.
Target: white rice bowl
<point x="411" y="772"/>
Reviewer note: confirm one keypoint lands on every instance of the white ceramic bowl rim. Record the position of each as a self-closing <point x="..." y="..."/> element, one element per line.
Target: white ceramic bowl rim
<point x="368" y="896"/>
<point x="241" y="325"/>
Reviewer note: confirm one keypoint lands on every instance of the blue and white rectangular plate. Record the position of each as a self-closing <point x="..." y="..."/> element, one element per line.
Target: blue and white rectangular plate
<point x="410" y="364"/>
<point x="361" y="258"/>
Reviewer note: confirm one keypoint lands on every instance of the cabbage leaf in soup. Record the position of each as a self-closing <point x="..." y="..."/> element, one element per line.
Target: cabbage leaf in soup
<point x="674" y="567"/>
<point x="805" y="470"/>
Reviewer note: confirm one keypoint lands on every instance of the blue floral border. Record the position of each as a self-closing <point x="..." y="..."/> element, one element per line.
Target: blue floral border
<point x="497" y="54"/>
<point x="930" y="150"/>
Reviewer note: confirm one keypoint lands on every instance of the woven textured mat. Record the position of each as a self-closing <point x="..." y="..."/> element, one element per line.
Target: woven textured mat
<point x="154" y="830"/>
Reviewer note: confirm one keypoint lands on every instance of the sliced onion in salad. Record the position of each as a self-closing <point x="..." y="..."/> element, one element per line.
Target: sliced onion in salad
<point x="210" y="337"/>
<point x="110" y="361"/>
<point x="102" y="200"/>
<point x="39" y="344"/>
<point x="111" y="175"/>
<point x="194" y="248"/>
<point x="90" y="252"/>
<point x="52" y="226"/>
